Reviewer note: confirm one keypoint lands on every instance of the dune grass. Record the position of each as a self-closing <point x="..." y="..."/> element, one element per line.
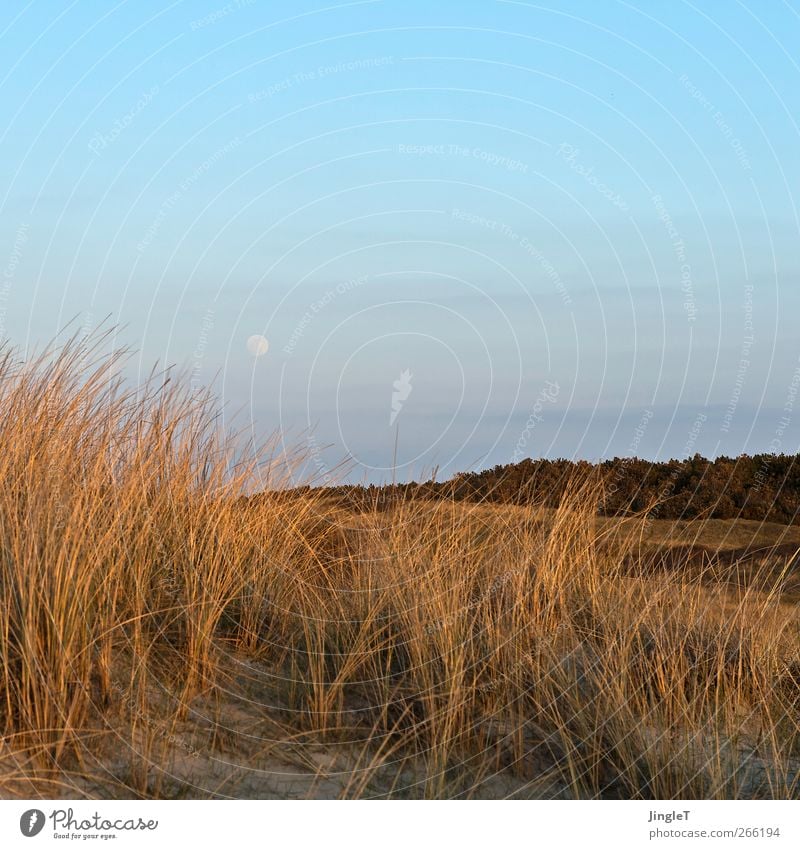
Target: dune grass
<point x="444" y="647"/>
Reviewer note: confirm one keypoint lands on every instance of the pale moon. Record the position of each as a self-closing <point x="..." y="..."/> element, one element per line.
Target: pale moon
<point x="257" y="345"/>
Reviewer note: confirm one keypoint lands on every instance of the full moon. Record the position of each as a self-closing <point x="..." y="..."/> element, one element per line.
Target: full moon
<point x="257" y="345"/>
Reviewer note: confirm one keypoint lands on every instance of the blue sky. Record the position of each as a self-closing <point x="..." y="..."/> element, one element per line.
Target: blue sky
<point x="496" y="198"/>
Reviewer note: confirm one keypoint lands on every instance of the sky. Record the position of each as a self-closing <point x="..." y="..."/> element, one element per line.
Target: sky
<point x="410" y="236"/>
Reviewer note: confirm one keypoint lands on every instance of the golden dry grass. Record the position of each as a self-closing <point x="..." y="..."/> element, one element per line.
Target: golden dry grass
<point x="162" y="635"/>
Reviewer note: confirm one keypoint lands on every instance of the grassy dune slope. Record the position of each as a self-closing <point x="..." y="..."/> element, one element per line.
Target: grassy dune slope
<point x="161" y="635"/>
